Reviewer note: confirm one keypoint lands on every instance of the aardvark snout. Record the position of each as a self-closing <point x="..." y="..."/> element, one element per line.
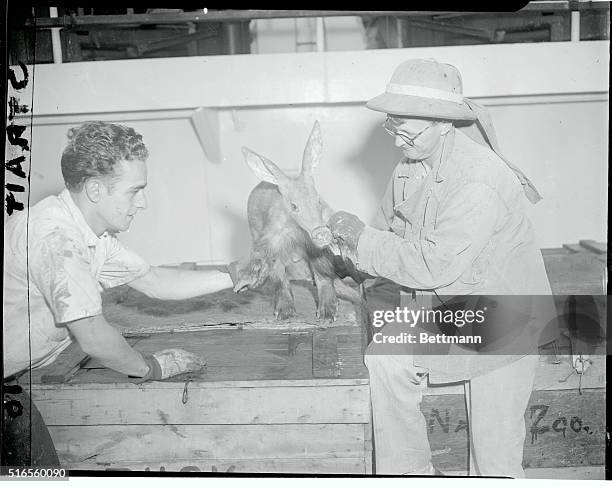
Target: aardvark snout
<point x="322" y="237"/>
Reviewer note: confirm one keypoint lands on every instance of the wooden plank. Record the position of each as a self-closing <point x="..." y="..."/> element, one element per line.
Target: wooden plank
<point x="65" y="366"/>
<point x="578" y="273"/>
<point x="569" y="473"/>
<point x="593" y="246"/>
<point x="573" y="247"/>
<point x="230" y="354"/>
<point x="368" y="452"/>
<point x="239" y="355"/>
<point x="164" y="443"/>
<point x="261" y="405"/>
<point x="295" y="339"/>
<point x="564" y="429"/>
<point x="325" y="359"/>
<point x="307" y="466"/>
<point x="209" y="385"/>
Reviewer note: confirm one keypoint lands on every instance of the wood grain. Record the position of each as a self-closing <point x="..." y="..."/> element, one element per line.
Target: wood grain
<point x="65" y="366"/>
<point x="164" y="443"/>
<point x="231" y="405"/>
<point x="325" y="357"/>
<point x="564" y="429"/>
<point x="308" y="466"/>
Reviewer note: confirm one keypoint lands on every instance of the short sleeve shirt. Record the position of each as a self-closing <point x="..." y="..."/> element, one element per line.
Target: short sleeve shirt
<point x="55" y="268"/>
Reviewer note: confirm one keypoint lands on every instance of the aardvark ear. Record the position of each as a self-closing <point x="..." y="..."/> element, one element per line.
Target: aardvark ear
<point x="312" y="152"/>
<point x="263" y="168"/>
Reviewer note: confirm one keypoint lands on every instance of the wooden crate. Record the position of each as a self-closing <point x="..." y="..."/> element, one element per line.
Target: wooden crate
<point x="294" y="397"/>
<point x="290" y="397"/>
<point x="565" y="429"/>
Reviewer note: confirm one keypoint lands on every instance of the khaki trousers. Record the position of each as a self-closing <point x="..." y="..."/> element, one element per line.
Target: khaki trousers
<point x="496" y="404"/>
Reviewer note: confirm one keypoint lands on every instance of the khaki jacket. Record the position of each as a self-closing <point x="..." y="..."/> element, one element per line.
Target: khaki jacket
<point x="457" y="229"/>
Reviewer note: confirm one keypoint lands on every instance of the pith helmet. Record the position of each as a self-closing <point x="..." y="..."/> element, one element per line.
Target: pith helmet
<point x="424" y="88"/>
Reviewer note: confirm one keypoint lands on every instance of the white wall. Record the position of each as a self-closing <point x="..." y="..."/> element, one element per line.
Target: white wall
<point x="549" y="103"/>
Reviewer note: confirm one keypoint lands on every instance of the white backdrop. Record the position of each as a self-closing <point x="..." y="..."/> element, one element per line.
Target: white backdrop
<point x="549" y="102"/>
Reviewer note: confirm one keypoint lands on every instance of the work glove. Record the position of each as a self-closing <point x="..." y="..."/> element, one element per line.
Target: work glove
<point x="171" y="362"/>
<point x="581" y="363"/>
<point x="346" y="229"/>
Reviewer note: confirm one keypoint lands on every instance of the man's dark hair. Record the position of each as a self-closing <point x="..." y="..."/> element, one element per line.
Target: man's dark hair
<point x="94" y="148"/>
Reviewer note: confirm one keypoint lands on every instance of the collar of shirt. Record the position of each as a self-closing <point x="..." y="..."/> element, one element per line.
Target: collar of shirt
<point x="88" y="234"/>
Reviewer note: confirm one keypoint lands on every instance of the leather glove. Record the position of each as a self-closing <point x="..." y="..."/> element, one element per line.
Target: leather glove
<point x="347" y="229"/>
<point x="581" y="363"/>
<point x="171" y="362"/>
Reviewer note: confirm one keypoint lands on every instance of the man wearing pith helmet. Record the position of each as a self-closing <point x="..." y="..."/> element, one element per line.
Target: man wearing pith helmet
<point x="452" y="223"/>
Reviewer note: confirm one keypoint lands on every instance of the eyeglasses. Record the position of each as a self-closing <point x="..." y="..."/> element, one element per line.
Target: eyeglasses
<point x="390" y="127"/>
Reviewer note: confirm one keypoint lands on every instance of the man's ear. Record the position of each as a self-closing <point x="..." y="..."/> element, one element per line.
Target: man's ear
<point x="93" y="189"/>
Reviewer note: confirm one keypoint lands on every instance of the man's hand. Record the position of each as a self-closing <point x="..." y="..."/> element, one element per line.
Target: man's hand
<point x="171" y="362"/>
<point x="346" y="228"/>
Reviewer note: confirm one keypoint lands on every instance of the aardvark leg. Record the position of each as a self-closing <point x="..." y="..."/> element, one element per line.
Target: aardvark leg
<point x="284" y="306"/>
<point x="327" y="307"/>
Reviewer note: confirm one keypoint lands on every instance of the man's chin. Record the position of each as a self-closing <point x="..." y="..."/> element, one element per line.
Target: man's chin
<point x="123" y="228"/>
<point x="413" y="154"/>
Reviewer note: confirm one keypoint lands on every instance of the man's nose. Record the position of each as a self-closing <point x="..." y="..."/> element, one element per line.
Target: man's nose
<point x="142" y="202"/>
<point x="399" y="142"/>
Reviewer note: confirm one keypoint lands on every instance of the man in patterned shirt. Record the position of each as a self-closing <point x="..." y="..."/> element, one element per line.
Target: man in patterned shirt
<point x="58" y="258"/>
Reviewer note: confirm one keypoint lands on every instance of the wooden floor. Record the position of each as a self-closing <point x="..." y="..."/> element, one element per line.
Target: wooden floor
<point x="290" y="396"/>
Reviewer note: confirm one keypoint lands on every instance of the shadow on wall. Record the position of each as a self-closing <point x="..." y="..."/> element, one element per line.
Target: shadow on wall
<point x="374" y="161"/>
<point x="240" y="241"/>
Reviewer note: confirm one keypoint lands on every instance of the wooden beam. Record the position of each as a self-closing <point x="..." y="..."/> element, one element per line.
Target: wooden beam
<point x="209" y="16"/>
<point x="557" y="6"/>
<point x="166" y="443"/>
<point x="308" y="466"/>
<point x="451" y="28"/>
<point x="227" y="405"/>
<point x="592" y="245"/>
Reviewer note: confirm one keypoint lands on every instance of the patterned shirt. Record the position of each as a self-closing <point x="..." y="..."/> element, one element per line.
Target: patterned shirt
<point x="55" y="268"/>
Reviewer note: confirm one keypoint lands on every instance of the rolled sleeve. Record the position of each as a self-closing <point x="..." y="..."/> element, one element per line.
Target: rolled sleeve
<point x="121" y="265"/>
<point x="60" y="269"/>
<point x="464" y="225"/>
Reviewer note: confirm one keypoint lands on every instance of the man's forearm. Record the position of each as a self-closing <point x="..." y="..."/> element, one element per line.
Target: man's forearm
<point x="104" y="343"/>
<point x="172" y="283"/>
